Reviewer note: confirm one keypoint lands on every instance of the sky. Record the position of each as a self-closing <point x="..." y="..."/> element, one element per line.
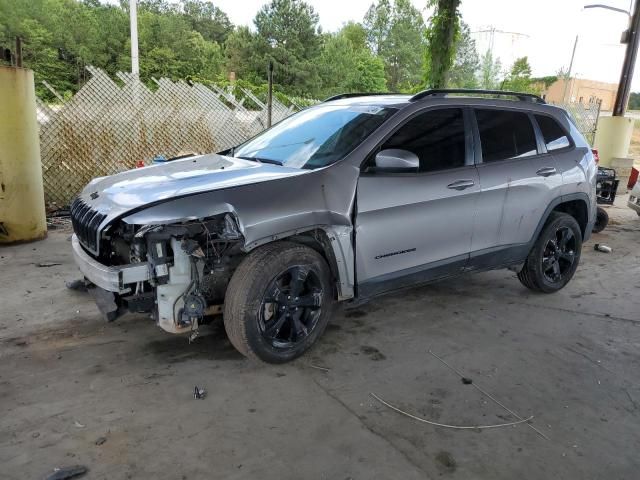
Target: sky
<point x="544" y="30"/>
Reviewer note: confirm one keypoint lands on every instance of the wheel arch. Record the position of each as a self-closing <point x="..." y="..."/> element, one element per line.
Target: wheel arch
<point x="333" y="243"/>
<point x="576" y="205"/>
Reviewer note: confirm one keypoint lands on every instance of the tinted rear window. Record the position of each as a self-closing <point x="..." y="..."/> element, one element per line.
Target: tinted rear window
<point x="505" y="134"/>
<point x="553" y="134"/>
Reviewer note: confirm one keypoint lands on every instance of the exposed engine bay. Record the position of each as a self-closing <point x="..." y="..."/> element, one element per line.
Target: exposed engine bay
<point x="189" y="267"/>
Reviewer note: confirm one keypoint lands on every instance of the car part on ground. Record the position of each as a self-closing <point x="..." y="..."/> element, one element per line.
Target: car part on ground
<point x="606" y="189"/>
<point x="351" y="198"/>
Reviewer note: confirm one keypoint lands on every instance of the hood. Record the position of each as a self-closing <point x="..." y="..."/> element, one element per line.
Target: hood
<point x="128" y="190"/>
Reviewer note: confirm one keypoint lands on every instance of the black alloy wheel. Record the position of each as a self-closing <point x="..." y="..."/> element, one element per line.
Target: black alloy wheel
<point x="279" y="301"/>
<point x="291" y="307"/>
<point x="559" y="255"/>
<point x="555" y="255"/>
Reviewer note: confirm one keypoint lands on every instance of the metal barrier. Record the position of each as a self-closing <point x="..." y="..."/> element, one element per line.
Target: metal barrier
<point x="107" y="127"/>
<point x="585" y="116"/>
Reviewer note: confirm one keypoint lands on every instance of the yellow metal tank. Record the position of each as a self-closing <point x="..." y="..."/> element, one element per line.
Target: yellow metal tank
<point x="22" y="213"/>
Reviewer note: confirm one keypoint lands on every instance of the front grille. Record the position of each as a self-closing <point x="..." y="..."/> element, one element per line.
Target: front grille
<point x="85" y="223"/>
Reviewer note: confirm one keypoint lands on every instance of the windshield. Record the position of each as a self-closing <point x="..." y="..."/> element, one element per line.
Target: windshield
<point x="315" y="137"/>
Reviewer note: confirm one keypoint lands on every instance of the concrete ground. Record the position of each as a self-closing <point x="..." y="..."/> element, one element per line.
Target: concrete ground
<point x="118" y="397"/>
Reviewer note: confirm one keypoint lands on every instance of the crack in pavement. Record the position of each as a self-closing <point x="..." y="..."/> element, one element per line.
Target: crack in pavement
<point x="371" y="430"/>
<point x="578" y="312"/>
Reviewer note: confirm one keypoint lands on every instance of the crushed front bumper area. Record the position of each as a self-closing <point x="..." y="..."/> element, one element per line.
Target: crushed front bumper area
<point x="117" y="279"/>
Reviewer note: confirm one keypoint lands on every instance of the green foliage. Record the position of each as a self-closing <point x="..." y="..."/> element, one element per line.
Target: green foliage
<point x="288" y="35"/>
<point x="395" y="34"/>
<point x="489" y="75"/>
<point x="60" y="37"/>
<point x="463" y="73"/>
<point x="442" y="36"/>
<point x="347" y="65"/>
<point x="519" y="78"/>
<point x="634" y="101"/>
<point x="545" y="81"/>
<point x="391" y="50"/>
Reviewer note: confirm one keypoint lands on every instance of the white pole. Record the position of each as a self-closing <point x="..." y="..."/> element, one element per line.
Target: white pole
<point x="133" y="15"/>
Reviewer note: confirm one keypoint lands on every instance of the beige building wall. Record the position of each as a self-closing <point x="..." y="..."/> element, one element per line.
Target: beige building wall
<point x="583" y="90"/>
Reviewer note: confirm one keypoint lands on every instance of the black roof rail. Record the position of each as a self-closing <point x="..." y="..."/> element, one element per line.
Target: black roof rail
<point x="352" y="95"/>
<point x="441" y="92"/>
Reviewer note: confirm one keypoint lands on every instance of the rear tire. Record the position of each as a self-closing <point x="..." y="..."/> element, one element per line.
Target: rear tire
<point x="278" y="302"/>
<point x="602" y="220"/>
<point x="555" y="255"/>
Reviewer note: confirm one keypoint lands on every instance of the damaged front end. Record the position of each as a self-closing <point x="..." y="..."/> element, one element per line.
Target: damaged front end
<point x="177" y="272"/>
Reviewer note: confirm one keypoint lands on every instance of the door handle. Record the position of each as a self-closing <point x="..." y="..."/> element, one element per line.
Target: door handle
<point x="461" y="184"/>
<point x="546" y="171"/>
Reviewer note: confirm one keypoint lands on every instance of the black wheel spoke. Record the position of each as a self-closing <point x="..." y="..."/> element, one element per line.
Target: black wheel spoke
<point x="273" y="328"/>
<point x="298" y="278"/>
<point x="297" y="327"/>
<point x="312" y="300"/>
<point x="568" y="256"/>
<point x="547" y="263"/>
<point x="275" y="295"/>
<point x="565" y="236"/>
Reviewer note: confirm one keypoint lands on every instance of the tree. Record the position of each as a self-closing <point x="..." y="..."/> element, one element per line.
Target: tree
<point x="489" y="71"/>
<point x="464" y="72"/>
<point x="441" y="36"/>
<point x="347" y="65"/>
<point x="394" y="32"/>
<point x="288" y="35"/>
<point x="207" y="19"/>
<point x="519" y="78"/>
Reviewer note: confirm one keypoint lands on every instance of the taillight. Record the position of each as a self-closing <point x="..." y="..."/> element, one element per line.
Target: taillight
<point x="596" y="157"/>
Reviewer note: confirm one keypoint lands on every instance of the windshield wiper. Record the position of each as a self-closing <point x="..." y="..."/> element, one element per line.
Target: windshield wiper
<point x="262" y="160"/>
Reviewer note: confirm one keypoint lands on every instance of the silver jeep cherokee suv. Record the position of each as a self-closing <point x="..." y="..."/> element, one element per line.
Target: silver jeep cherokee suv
<point x="354" y="197"/>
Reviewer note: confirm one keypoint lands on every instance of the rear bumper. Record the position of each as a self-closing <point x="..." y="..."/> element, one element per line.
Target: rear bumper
<point x="115" y="279"/>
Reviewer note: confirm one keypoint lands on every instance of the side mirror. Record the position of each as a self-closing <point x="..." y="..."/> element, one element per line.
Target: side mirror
<point x="396" y="159"/>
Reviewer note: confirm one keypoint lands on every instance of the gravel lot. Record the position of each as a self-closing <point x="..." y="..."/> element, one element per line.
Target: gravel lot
<point x="118" y="397"/>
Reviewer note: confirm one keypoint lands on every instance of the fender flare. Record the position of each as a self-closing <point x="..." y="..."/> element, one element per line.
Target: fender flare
<point x="560" y="200"/>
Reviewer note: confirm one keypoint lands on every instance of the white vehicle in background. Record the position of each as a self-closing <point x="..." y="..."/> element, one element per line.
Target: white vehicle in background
<point x="634" y="198"/>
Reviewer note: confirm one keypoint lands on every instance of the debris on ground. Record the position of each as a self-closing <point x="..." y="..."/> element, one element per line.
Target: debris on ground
<point x="444" y="425"/>
<point x="47" y="264"/>
<point x="199" y="393"/>
<point x="602" y="248"/>
<point x="467" y="381"/>
<point x="77" y="424"/>
<point x="101" y="440"/>
<point x="78" y="285"/>
<point x="318" y="367"/>
<point x="67" y="472"/>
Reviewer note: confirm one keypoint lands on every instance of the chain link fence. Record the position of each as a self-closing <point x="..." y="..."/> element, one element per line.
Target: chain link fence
<point x="585" y="116"/>
<point x="109" y="125"/>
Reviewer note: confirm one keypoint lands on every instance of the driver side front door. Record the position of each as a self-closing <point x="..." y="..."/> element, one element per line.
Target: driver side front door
<point x="414" y="227"/>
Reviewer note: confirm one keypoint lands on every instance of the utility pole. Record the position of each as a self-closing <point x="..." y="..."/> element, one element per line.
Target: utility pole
<point x="568" y="77"/>
<point x="633" y="40"/>
<point x="270" y="93"/>
<point x="133" y="18"/>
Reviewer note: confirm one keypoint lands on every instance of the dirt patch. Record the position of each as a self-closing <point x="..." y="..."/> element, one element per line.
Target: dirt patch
<point x="373" y="353"/>
<point x="446" y="460"/>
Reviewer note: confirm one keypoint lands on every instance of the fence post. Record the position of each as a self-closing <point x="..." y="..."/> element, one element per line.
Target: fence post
<point x="270" y="94"/>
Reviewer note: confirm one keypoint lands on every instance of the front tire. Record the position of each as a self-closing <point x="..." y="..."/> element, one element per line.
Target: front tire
<point x="278" y="302"/>
<point x="555" y="255"/>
